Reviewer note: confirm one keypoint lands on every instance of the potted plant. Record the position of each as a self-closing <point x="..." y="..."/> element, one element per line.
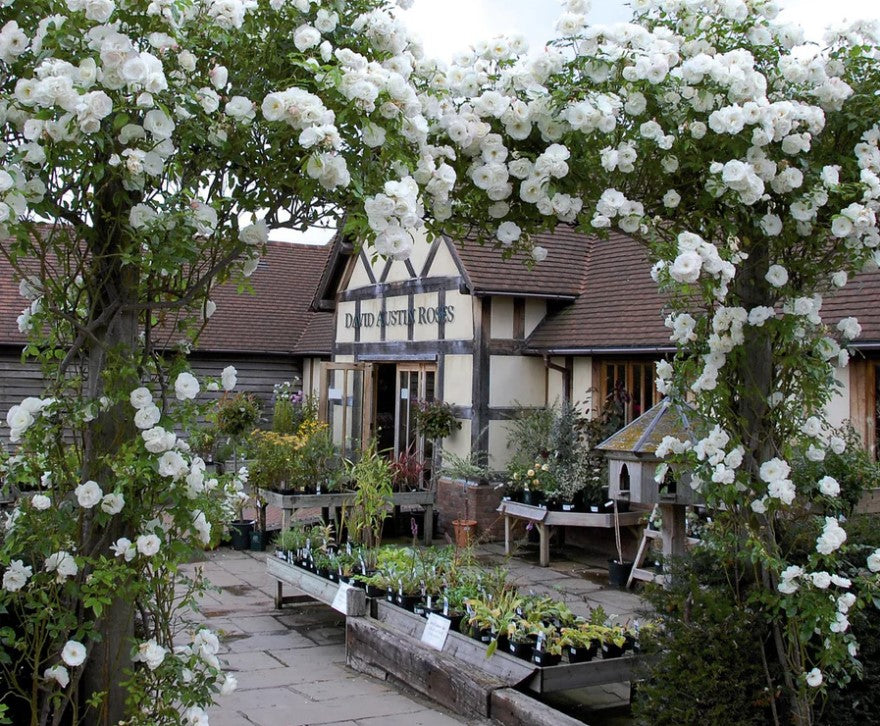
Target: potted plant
<point x="465" y="470"/>
<point x="548" y="646"/>
<point x="407" y="471"/>
<point x="241" y="528"/>
<point x="618" y="569"/>
<point x="372" y="477"/>
<point x="235" y="415"/>
<point x="435" y="419"/>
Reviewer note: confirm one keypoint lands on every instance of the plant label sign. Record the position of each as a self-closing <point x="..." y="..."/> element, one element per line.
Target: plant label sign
<point x="340" y="601"/>
<point x="435" y="632"/>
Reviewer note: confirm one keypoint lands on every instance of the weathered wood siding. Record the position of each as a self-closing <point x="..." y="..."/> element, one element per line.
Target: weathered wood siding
<point x="17" y="381"/>
<point x="256" y="374"/>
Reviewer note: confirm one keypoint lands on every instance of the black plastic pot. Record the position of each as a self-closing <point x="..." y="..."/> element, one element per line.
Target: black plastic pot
<point x="522" y="650"/>
<point x="407" y="602"/>
<point x="241" y="533"/>
<point x="611" y="650"/>
<point x="542" y="659"/>
<point x="618" y="572"/>
<point x="454" y="620"/>
<point x="258" y="541"/>
<point x="582" y="655"/>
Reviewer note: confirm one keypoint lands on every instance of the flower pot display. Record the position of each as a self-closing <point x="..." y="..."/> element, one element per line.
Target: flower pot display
<point x="581" y="654"/>
<point x="241" y="533"/>
<point x="258" y="541"/>
<point x="618" y="572"/>
<point x="522" y="649"/>
<point x="465" y="532"/>
<point x="543" y="659"/>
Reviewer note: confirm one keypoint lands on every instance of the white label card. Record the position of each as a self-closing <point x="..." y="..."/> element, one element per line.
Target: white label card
<point x="404" y="394"/>
<point x="334" y="394"/>
<point x="436" y="630"/>
<point x="340" y="601"/>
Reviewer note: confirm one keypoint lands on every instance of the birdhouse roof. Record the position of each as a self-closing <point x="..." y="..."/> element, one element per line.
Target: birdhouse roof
<point x="644" y="435"/>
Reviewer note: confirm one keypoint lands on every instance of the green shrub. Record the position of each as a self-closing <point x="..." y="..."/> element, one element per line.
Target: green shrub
<point x="709" y="668"/>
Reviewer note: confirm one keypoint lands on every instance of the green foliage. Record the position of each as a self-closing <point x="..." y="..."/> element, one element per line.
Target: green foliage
<point x="435" y="419"/>
<point x="372" y="476"/>
<point x="709" y="649"/>
<point x="854" y="469"/>
<point x="237" y="414"/>
<point x="472" y="467"/>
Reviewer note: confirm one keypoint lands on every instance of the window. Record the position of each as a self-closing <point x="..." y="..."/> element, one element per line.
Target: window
<point x="633" y="384"/>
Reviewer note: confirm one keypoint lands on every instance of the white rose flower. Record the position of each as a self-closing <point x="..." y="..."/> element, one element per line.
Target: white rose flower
<point x="305" y="37"/>
<point x="832" y="538"/>
<point x="16" y="576"/>
<point x="41" y="502"/>
<point x="123" y="547"/>
<point x="771" y="225"/>
<point x="240" y="108"/>
<point x="219" y="76"/>
<point x="172" y="464"/>
<point x="88" y="494"/>
<point x="686" y="267"/>
<point x="73" y="653"/>
<point x="159" y="124"/>
<point x="63" y="563"/>
<point x="255" y="234"/>
<point x="151" y="653"/>
<point x="112" y="503"/>
<point x="814" y="678"/>
<point x="228" y="378"/>
<point x="508" y="233"/>
<point x="849" y="328"/>
<point x="822" y="580"/>
<point x="147" y="417"/>
<point x="229" y="685"/>
<point x="829" y="486"/>
<point x="777" y="275"/>
<point x="157" y="439"/>
<point x="186" y="387"/>
<point x="19" y="418"/>
<point x="148" y="544"/>
<point x="57" y="673"/>
<point x="874" y="561"/>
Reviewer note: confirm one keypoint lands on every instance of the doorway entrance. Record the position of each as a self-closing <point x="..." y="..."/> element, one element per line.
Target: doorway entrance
<point x="360" y="400"/>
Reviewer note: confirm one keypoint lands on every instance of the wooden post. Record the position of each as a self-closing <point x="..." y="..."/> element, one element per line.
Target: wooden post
<point x="506" y="533"/>
<point x="544" y="546"/>
<point x="673" y="531"/>
<point x="429" y="524"/>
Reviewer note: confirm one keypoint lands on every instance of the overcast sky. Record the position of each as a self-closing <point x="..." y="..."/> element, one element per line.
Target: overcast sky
<point x="447" y="26"/>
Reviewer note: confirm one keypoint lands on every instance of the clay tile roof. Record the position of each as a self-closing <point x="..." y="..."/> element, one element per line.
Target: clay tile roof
<point x="560" y="275"/>
<point x="271" y="320"/>
<point x="861" y="299"/>
<point x="619" y="306"/>
<point x="317" y="338"/>
<point x="274" y="317"/>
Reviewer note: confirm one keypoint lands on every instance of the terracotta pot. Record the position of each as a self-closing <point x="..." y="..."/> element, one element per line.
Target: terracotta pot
<point x="465" y="531"/>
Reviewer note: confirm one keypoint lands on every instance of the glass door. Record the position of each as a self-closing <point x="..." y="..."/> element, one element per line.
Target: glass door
<point x="416" y="382"/>
<point x="346" y="404"/>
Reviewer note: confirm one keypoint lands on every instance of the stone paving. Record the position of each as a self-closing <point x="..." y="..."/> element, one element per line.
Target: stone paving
<point x="290" y="664"/>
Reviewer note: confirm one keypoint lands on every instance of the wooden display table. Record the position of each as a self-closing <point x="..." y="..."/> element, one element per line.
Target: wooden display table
<point x="543" y="519"/>
<point x="353" y="601"/>
<point x="289" y="503"/>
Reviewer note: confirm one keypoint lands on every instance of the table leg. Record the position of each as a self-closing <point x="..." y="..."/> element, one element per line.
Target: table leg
<point x="279" y="595"/>
<point x="506" y="535"/>
<point x="544" y="537"/>
<point x="429" y="524"/>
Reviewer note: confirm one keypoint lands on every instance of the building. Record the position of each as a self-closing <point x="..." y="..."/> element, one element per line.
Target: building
<point x="257" y="333"/>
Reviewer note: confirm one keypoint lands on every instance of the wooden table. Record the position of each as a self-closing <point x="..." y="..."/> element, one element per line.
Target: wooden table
<point x="544" y="519"/>
<point x="288" y="503"/>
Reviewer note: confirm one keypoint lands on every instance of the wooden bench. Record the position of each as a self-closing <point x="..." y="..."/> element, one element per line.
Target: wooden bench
<point x="543" y="519"/>
<point x="289" y="503"/>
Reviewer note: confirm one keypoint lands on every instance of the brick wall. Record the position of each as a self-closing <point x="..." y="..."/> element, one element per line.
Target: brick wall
<point x="455" y="500"/>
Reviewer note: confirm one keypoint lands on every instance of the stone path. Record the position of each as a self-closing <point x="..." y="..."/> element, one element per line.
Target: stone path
<point x="290" y="664"/>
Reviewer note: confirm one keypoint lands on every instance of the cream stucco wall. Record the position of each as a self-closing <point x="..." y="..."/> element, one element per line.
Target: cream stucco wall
<point x="535" y="312"/>
<point x="499" y="454"/>
<point x="461" y="327"/>
<point x="838" y="409"/>
<point x="582" y="383"/>
<point x="344" y="334"/>
<point x="425" y="331"/>
<point x="502" y="318"/>
<point x="516" y="379"/>
<point x="460" y="441"/>
<point x="554" y="380"/>
<point x="458" y="371"/>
